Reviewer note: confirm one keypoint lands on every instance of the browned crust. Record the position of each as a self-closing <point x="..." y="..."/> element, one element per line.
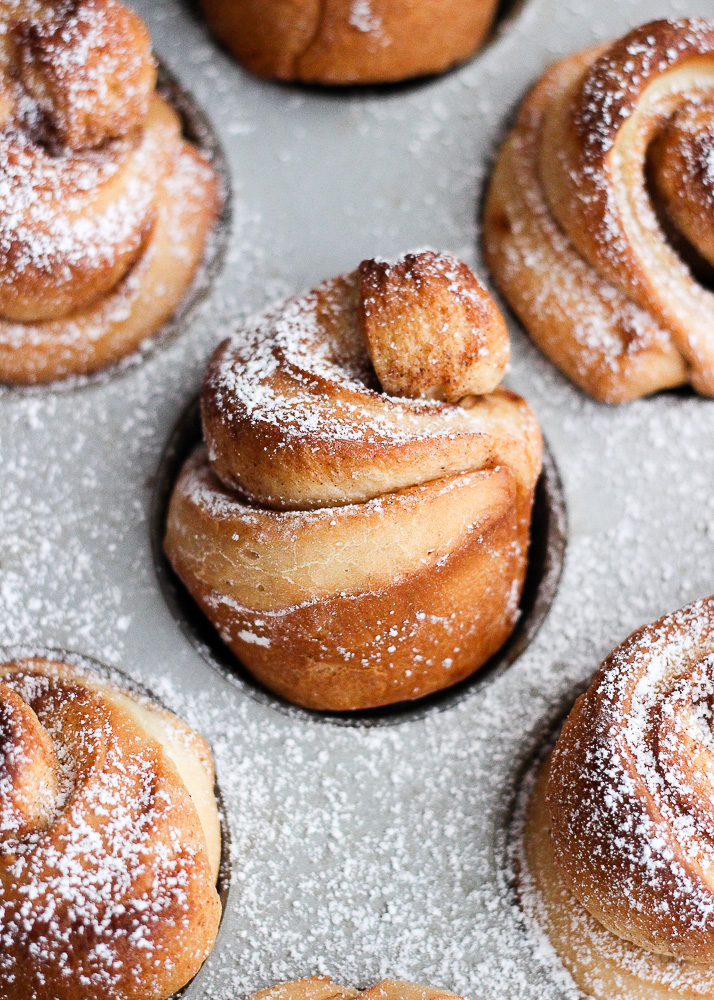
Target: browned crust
<point x="388" y="634"/>
<point x="107" y="93"/>
<point x="355" y="548"/>
<point x="570" y="233"/>
<point x="614" y="82"/>
<point x="416" y="296"/>
<point x="109" y="330"/>
<point x="324" y="41"/>
<point x="679" y="163"/>
<point x="623" y="844"/>
<point x="29" y="776"/>
<point x="592" y="168"/>
<point x="377" y="443"/>
<point x="99" y="244"/>
<point x="322" y="988"/>
<point x="59" y="955"/>
<point x="601" y="964"/>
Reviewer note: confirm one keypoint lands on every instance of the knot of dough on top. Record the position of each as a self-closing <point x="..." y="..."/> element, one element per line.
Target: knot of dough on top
<point x="88" y="66"/>
<point x="85" y="147"/>
<point x="320" y="400"/>
<point x="105" y="207"/>
<point x="410" y="579"/>
<point x="431" y="329"/>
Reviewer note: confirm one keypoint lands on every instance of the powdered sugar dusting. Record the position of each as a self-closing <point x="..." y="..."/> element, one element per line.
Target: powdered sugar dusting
<point x="646" y="818"/>
<point x="87" y="886"/>
<point x="355" y="852"/>
<point x="65" y="141"/>
<point x="363" y="17"/>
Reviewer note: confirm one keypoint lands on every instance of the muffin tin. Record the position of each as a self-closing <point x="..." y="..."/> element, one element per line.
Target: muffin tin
<point x="358" y="851"/>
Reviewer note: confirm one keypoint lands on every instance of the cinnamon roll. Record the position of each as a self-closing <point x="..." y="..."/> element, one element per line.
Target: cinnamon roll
<point x="322" y="988"/>
<point x="109" y="840"/>
<point x="598" y="218"/>
<point x="619" y="840"/>
<point x="349" y="41"/>
<point x="106" y="210"/>
<point x="357" y="525"/>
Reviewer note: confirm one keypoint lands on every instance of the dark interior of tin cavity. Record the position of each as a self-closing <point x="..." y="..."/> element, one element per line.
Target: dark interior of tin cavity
<point x="131" y="686"/>
<point x="516" y="792"/>
<point x="547" y="553"/>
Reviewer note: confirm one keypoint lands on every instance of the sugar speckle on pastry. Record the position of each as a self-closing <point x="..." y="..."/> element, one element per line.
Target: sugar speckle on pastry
<point x="106" y="209"/>
<point x="614" y="849"/>
<point x="361" y="460"/>
<point x="109" y="836"/>
<point x="596" y="225"/>
<point x="315" y="889"/>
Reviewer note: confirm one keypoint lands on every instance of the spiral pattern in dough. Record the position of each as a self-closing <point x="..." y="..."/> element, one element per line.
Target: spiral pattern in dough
<point x="593" y="220"/>
<point x="104" y="210"/>
<point x="357" y="527"/>
<point x="109" y="840"/>
<point x="631" y="789"/>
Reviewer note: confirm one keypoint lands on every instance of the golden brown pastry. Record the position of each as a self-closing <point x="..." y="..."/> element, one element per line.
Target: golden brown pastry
<point x="349" y="41"/>
<point x="109" y="840"/>
<point x="598" y="219"/>
<point x="619" y="840"/>
<point x="322" y="988"/>
<point x="105" y="210"/>
<point x="357" y="525"/>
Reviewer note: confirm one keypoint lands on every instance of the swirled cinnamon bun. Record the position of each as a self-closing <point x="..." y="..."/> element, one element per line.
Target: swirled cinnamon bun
<point x="597" y="224"/>
<point x="357" y="524"/>
<point x="620" y="829"/>
<point x="349" y="41"/>
<point x="109" y="840"/>
<point x="105" y="209"/>
<point x="322" y="988"/>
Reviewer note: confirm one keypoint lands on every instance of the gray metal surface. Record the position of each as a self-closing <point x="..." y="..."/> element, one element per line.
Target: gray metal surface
<point x="356" y="852"/>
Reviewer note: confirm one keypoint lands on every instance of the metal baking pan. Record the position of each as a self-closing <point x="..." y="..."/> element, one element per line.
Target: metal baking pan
<point x="358" y="851"/>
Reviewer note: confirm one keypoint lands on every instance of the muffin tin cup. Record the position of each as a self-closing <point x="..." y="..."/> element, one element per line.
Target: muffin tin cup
<point x="545" y="565"/>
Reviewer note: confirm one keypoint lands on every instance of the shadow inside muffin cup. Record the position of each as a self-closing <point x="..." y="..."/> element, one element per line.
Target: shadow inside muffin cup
<point x="197" y="129"/>
<point x="545" y="565"/>
<point x="507" y="856"/>
<point x="507" y="861"/>
<point x="10" y="653"/>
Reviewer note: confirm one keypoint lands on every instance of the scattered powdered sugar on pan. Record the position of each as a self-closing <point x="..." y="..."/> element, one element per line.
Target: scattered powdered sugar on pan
<point x="357" y="852"/>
